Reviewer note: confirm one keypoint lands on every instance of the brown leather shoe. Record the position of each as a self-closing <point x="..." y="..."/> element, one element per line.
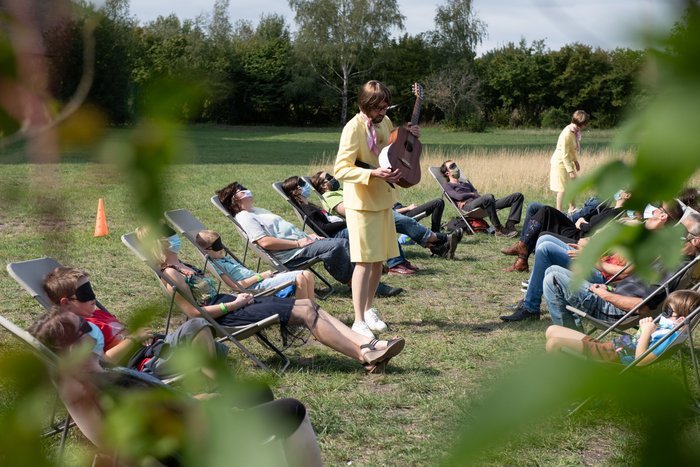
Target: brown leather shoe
<point x="516" y="249"/>
<point x="520" y="265"/>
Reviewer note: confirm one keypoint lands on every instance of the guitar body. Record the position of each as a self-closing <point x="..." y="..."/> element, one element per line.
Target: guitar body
<point x="403" y="151"/>
<point x="403" y="154"/>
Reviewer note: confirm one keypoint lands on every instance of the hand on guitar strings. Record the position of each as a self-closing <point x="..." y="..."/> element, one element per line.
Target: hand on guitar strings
<point x="388" y="175"/>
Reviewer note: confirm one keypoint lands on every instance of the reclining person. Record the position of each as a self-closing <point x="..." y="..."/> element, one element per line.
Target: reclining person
<point x="88" y="391"/>
<point x="244" y="309"/>
<point x="550" y="220"/>
<point x="626" y="348"/>
<point x="598" y="300"/>
<point x="433" y="208"/>
<point x="335" y="226"/>
<point x="439" y="243"/>
<point x="466" y="196"/>
<point x="551" y="251"/>
<point x="70" y="290"/>
<point x="287" y="243"/>
<point x="231" y="270"/>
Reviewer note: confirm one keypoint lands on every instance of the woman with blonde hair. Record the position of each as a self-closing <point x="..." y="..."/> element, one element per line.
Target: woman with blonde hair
<point x="564" y="163"/>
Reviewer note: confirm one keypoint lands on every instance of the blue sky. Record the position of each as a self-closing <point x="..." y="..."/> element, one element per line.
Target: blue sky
<point x="604" y="23"/>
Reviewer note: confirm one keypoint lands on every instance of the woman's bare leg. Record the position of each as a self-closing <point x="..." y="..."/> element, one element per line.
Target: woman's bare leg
<point x="560" y="200"/>
<point x="375" y="275"/>
<point x="361" y="277"/>
<point x="301" y="448"/>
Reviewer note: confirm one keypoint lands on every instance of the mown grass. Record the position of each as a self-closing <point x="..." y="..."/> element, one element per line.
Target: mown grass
<point x="456" y="346"/>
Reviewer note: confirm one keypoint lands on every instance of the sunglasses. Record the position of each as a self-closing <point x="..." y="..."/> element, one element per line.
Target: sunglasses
<point x="668" y="312"/>
<point x="453" y="165"/>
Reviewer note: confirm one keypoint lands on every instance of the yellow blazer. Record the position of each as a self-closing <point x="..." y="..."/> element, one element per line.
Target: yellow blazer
<point x="565" y="154"/>
<point x="360" y="191"/>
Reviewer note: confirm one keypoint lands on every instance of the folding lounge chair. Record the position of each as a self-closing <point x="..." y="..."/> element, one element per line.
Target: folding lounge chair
<point x="185" y="223"/>
<point x="50" y="359"/>
<point x="262" y="254"/>
<point x="682" y="279"/>
<point x="234" y="334"/>
<point x="301" y="215"/>
<point x="417" y="217"/>
<point x="477" y="213"/>
<point x="686" y="329"/>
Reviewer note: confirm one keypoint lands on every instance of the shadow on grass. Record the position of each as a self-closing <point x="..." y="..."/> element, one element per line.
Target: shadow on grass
<point x="340" y="364"/>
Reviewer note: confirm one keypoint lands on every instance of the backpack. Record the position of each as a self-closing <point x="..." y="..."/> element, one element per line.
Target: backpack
<point x="477" y="225"/>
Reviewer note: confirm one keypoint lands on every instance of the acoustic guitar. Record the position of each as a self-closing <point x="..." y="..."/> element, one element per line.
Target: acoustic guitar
<point x="403" y="151"/>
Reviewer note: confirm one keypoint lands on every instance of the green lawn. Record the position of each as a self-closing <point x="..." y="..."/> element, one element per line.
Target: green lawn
<point x="456" y="350"/>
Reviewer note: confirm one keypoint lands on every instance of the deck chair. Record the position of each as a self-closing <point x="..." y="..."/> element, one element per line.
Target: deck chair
<point x="50" y="359"/>
<point x="478" y="213"/>
<point x="186" y="224"/>
<point x="417" y="217"/>
<point x="233" y="334"/>
<point x="681" y="279"/>
<point x="264" y="255"/>
<point x="685" y="329"/>
<point x="301" y="215"/>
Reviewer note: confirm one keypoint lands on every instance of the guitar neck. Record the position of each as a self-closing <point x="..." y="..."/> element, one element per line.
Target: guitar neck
<point x="416" y="111"/>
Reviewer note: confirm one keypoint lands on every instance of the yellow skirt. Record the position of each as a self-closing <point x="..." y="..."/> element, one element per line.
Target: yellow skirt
<point x="558" y="177"/>
<point x="372" y="235"/>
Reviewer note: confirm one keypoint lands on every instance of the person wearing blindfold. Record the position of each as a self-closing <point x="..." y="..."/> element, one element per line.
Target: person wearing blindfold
<point x="70" y="289"/>
<point x="466" y="196"/>
<point x="231" y="270"/>
<point x="193" y="286"/>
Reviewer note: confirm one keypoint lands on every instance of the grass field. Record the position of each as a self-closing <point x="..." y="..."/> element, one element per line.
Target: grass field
<point x="457" y="348"/>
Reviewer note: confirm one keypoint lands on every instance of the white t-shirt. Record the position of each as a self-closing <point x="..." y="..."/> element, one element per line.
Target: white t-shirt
<point x="262" y="223"/>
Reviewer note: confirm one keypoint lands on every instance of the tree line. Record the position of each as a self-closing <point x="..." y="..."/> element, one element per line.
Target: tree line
<point x="263" y="74"/>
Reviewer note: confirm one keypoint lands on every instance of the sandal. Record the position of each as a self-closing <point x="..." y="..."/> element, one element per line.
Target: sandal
<point x="375" y="356"/>
<point x="375" y="369"/>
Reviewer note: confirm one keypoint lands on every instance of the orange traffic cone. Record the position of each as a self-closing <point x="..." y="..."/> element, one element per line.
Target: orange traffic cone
<point x="101" y="221"/>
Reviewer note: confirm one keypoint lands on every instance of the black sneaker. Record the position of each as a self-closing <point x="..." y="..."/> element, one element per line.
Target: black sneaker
<point x="384" y="290"/>
<point x="521" y="314"/>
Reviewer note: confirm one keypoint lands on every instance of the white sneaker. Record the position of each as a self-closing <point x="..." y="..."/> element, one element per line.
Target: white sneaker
<point x="361" y="328"/>
<point x="373" y="321"/>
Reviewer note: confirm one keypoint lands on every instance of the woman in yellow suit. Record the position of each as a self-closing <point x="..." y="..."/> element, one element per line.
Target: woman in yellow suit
<point x="564" y="163"/>
<point x="368" y="200"/>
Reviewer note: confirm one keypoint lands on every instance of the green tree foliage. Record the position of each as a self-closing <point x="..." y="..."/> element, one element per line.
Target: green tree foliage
<point x="336" y="36"/>
<point x="457" y="31"/>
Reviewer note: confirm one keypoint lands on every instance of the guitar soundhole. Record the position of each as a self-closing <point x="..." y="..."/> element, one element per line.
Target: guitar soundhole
<point x="408" y="146"/>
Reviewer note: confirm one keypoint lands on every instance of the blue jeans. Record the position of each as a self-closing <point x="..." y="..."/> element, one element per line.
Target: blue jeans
<point x="589" y="206"/>
<point x="411" y="227"/>
<point x="549" y="251"/>
<point x="557" y="294"/>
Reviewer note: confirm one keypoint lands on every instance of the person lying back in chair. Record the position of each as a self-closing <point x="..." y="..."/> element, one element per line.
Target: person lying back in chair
<point x="70" y="289"/>
<point x="231" y="270"/>
<point x="176" y="421"/>
<point x="290" y="245"/>
<point x="439" y="243"/>
<point x="466" y="196"/>
<point x="626" y="348"/>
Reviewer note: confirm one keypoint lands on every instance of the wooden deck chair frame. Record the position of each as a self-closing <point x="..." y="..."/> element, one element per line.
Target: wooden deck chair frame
<point x="683" y="276"/>
<point x="233" y="334"/>
<point x="50" y="359"/>
<point x="185" y="223"/>
<point x="686" y="335"/>
<point x="477" y="213"/>
<point x="263" y="254"/>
